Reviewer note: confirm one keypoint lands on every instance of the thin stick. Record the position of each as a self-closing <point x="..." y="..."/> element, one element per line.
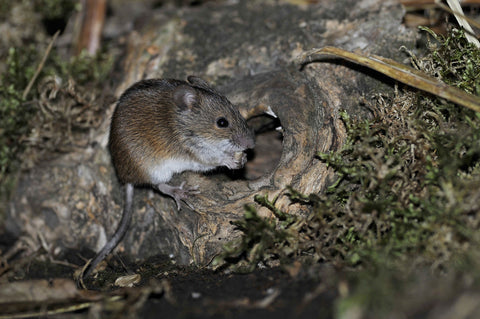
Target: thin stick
<point x="40" y="66"/>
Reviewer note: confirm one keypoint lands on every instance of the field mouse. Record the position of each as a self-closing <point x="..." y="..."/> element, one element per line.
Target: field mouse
<point x="164" y="126"/>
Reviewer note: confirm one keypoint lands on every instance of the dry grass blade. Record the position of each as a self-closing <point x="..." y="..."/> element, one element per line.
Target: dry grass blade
<point x="457" y="11"/>
<point x="425" y="4"/>
<point x="40" y="66"/>
<point x="401" y="73"/>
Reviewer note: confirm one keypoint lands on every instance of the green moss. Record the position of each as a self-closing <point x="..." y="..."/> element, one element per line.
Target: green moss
<point x="264" y="240"/>
<point x="78" y="81"/>
<point x="15" y="113"/>
<point x="406" y="187"/>
<point x="4" y="8"/>
<point x="54" y="9"/>
<point x="86" y="69"/>
<point x="454" y="60"/>
<point x="401" y="217"/>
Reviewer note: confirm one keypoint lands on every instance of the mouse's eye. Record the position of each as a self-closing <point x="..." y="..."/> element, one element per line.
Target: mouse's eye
<point x="222" y="122"/>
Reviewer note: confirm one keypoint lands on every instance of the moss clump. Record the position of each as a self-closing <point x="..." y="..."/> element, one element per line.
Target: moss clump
<point x="48" y="9"/>
<point x="263" y="241"/>
<point x="453" y="60"/>
<point x="54" y="9"/>
<point x="407" y="187"/>
<point x="65" y="101"/>
<point x="15" y="113"/>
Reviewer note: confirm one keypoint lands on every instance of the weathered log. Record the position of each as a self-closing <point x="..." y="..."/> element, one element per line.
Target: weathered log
<point x="248" y="51"/>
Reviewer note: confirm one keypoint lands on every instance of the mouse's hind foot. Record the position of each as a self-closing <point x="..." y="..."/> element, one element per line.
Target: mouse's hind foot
<point x="178" y="193"/>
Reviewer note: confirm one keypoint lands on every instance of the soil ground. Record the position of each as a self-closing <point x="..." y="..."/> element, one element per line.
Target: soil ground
<point x="170" y="291"/>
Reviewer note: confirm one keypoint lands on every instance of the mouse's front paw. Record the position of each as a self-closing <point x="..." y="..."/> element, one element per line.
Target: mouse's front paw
<point x="235" y="160"/>
<point x="240" y="158"/>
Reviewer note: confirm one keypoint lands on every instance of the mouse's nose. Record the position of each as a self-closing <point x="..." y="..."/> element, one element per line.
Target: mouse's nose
<point x="247" y="141"/>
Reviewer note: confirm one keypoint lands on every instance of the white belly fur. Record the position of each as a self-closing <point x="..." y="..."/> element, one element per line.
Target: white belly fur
<point x="163" y="172"/>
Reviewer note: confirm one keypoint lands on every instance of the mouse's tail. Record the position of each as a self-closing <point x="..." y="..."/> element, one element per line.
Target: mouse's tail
<point x="119" y="233"/>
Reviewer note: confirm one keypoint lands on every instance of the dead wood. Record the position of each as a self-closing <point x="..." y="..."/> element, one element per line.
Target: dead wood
<point x="75" y="201"/>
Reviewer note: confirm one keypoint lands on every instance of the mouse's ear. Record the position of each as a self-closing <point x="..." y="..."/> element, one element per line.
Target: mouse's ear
<point x="195" y="80"/>
<point x="185" y="97"/>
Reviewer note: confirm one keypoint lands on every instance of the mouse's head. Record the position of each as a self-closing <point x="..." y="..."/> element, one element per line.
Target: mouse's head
<point x="212" y="128"/>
